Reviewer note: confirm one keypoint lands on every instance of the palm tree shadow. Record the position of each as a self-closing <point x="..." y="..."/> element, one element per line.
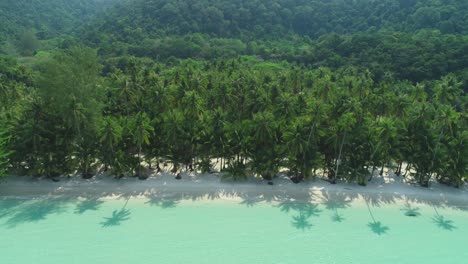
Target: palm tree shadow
<point x="92" y="204"/>
<point x="443" y="222"/>
<point x="164" y="203"/>
<point x="9" y="207"/>
<point x="304" y="210"/>
<point x="410" y="211"/>
<point x="36" y="211"/>
<point x="118" y="216"/>
<point x="336" y="217"/>
<point x="376" y="226"/>
<point x="251" y="201"/>
<point x="335" y="201"/>
<point x="301" y="222"/>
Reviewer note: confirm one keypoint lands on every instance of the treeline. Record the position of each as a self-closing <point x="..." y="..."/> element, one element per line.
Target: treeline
<point x="131" y="21"/>
<point x="66" y="119"/>
<point x="412" y="40"/>
<point x="416" y="57"/>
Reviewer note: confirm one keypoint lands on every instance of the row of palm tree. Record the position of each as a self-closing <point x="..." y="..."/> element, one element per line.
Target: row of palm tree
<point x="192" y="115"/>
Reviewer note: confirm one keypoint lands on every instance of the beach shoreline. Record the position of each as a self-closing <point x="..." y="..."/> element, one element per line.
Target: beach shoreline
<point x="386" y="189"/>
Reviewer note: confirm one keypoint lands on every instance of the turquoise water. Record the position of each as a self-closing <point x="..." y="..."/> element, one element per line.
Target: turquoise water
<point x="136" y="230"/>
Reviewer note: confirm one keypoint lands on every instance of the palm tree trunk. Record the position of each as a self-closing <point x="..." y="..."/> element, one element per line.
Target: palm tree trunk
<point x="372" y="173"/>
<point x="139" y="160"/>
<point x="338" y="161"/>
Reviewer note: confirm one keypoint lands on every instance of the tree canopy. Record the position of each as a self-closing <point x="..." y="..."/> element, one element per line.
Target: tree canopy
<point x="337" y="89"/>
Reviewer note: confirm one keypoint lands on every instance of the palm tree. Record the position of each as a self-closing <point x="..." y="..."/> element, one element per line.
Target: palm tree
<point x="457" y="155"/>
<point x="217" y="121"/>
<point x="301" y="155"/>
<point x="343" y="128"/>
<point x="4" y="92"/>
<point x="175" y="137"/>
<point x="194" y="107"/>
<point x="75" y="120"/>
<point x="421" y="140"/>
<point x="263" y="147"/>
<point x="382" y="134"/>
<point x="4" y="152"/>
<point x="448" y="90"/>
<point x="142" y="131"/>
<point x="110" y="135"/>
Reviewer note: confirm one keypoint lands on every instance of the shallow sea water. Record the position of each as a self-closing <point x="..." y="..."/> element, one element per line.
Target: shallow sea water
<point x="165" y="230"/>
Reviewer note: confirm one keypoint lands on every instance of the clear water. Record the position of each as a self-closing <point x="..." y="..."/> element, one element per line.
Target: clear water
<point x="135" y="230"/>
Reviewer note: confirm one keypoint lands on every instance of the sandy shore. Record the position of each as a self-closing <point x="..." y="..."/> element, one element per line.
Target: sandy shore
<point x="388" y="189"/>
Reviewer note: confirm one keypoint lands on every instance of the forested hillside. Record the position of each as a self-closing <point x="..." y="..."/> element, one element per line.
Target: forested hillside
<point x="47" y="18"/>
<point x="273" y="19"/>
<point x="409" y="39"/>
<point x="338" y="88"/>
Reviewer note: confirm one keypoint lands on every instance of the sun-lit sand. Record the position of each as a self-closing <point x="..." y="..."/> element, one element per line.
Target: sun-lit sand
<point x="387" y="189"/>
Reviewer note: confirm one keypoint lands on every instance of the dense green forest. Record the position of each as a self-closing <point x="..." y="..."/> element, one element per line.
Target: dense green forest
<point x="340" y="88"/>
<point x="50" y="18"/>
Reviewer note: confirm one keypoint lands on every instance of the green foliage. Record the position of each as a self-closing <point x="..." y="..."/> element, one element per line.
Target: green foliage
<point x="339" y="87"/>
<point x="28" y="43"/>
<point x="4" y="153"/>
<point x="236" y="172"/>
<point x="341" y="122"/>
<point x="417" y="41"/>
<point x="270" y="19"/>
<point x="48" y="18"/>
<point x="57" y="128"/>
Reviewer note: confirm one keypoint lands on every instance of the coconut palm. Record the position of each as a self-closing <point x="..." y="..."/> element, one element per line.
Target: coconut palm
<point x="142" y="131"/>
<point x="110" y="135"/>
<point x="264" y="147"/>
<point x="4" y="152"/>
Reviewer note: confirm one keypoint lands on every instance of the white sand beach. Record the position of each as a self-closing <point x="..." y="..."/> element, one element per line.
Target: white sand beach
<point x="386" y="189"/>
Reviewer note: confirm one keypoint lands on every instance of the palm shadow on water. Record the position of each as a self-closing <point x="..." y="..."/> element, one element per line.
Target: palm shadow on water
<point x="410" y="211"/>
<point x="118" y="216"/>
<point x="337" y="217"/>
<point x="376" y="226"/>
<point x="335" y="202"/>
<point x="9" y="207"/>
<point x="36" y="211"/>
<point x="92" y="204"/>
<point x="304" y="211"/>
<point x="301" y="222"/>
<point x="163" y="202"/>
<point x="251" y="201"/>
<point x="443" y="222"/>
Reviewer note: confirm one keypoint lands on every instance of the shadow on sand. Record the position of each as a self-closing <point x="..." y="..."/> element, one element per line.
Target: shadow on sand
<point x="163" y="202"/>
<point x="300" y="203"/>
<point x="89" y="204"/>
<point x="335" y="202"/>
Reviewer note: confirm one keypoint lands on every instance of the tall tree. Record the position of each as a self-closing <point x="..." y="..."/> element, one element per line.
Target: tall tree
<point x="4" y="152"/>
<point x="142" y="130"/>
